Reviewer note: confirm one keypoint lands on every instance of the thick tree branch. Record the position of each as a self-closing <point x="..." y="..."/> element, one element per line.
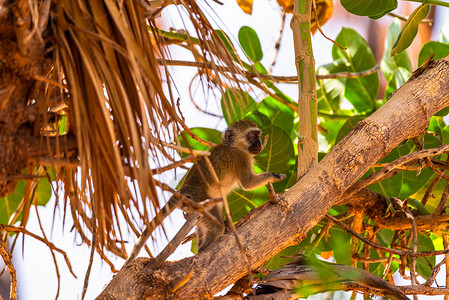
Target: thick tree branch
<point x="405" y="115"/>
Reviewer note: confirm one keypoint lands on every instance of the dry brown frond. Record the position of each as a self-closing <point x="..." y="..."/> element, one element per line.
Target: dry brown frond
<point x="94" y="63"/>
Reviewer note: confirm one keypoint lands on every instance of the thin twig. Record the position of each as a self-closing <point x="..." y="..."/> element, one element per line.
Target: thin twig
<point x="409" y="215"/>
<point x="375" y="260"/>
<point x="179" y="148"/>
<point x="58" y="275"/>
<point x="275" y="78"/>
<point x="379" y="175"/>
<point x="92" y="252"/>
<point x="440" y="208"/>
<point x="405" y="18"/>
<point x="435" y="272"/>
<point x="429" y="190"/>
<point x="389" y="250"/>
<point x="319" y="27"/>
<point x="174" y="165"/>
<point x="12" y="271"/>
<point x="277" y="46"/>
<point x="10" y="228"/>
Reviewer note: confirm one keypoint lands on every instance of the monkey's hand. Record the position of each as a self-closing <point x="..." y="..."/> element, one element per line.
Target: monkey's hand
<point x="278" y="177"/>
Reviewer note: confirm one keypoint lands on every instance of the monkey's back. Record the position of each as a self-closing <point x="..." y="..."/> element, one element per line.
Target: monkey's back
<point x="226" y="160"/>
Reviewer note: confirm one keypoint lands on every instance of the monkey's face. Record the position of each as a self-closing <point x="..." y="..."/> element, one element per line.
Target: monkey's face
<point x="253" y="140"/>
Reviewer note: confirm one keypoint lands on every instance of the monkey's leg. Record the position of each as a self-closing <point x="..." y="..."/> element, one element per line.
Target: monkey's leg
<point x="192" y="219"/>
<point x="207" y="231"/>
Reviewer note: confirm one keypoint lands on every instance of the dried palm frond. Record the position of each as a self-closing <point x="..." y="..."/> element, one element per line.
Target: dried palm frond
<point x="93" y="64"/>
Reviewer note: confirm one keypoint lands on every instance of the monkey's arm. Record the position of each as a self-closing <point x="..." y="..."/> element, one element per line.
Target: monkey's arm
<point x="157" y="220"/>
<point x="250" y="180"/>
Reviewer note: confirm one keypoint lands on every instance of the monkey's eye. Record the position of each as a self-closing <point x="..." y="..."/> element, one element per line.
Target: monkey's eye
<point x="252" y="135"/>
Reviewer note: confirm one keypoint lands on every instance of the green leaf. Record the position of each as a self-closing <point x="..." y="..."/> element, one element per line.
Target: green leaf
<point x="371" y="8"/>
<point x="390" y="64"/>
<point x="282" y="257"/>
<point x="227" y="42"/>
<point x="279" y="114"/>
<point x="332" y="128"/>
<point x="410" y="29"/>
<point x="207" y="134"/>
<point x="10" y="203"/>
<point x="361" y="92"/>
<point x="236" y="104"/>
<point x="43" y="192"/>
<point x="439" y="49"/>
<point x="241" y="201"/>
<point x="330" y="92"/>
<point x="250" y="43"/>
<point x="278" y="154"/>
<point x="340" y="243"/>
<point x="444" y="33"/>
<point x="422" y="264"/>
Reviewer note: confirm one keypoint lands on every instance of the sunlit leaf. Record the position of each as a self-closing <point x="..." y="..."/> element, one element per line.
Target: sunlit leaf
<point x="390" y="64"/>
<point x="439" y="49"/>
<point x="410" y="29"/>
<point x="340" y="243"/>
<point x="357" y="55"/>
<point x="236" y="104"/>
<point x="422" y="264"/>
<point x="250" y="43"/>
<point x="246" y="5"/>
<point x="371" y="8"/>
<point x="330" y="92"/>
<point x="279" y="114"/>
<point x="207" y="134"/>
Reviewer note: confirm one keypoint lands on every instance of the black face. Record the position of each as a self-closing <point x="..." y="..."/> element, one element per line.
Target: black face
<point x="253" y="138"/>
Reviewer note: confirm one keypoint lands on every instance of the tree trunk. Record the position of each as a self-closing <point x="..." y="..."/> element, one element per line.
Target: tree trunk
<point x="275" y="227"/>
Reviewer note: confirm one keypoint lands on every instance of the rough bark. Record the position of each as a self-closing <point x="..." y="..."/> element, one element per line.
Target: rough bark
<point x="274" y="227"/>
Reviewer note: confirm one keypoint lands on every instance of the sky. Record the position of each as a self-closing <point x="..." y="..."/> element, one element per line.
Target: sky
<point x="36" y="271"/>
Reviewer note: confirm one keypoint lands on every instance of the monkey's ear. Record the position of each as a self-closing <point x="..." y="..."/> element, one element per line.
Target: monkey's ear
<point x="229" y="136"/>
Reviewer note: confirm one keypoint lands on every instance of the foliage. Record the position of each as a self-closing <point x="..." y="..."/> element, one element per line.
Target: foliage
<point x="351" y="100"/>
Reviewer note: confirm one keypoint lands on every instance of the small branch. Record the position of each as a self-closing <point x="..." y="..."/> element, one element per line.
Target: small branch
<point x="423" y="290"/>
<point x="405" y="18"/>
<point x="435" y="272"/>
<point x="174" y="165"/>
<point x="277" y="46"/>
<point x="179" y="148"/>
<point x="440" y="208"/>
<point x="92" y="252"/>
<point x="428" y="192"/>
<point x="10" y="228"/>
<point x="409" y="215"/>
<point x="373" y="178"/>
<point x="389" y="250"/>
<point x="274" y="78"/>
<point x="375" y="260"/>
<point x="12" y="271"/>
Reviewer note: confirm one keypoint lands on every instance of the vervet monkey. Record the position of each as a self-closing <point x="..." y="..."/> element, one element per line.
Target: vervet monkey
<point x="233" y="162"/>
